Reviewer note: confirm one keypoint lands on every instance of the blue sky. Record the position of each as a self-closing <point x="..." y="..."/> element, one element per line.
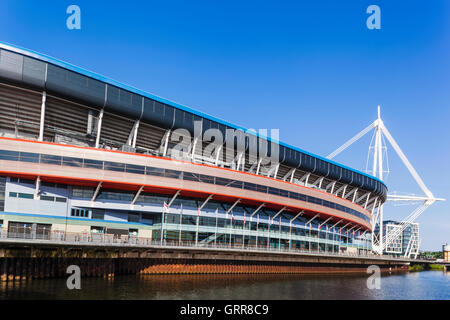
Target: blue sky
<point x="309" y="68"/>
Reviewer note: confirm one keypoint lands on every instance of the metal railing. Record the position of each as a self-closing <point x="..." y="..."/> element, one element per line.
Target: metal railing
<point x="100" y="239"/>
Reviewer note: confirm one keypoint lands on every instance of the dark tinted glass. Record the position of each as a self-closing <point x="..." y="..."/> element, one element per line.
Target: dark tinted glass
<point x="95" y="164"/>
<point x="50" y="159"/>
<point x="72" y="162"/>
<point x="154" y="171"/>
<point x="114" y="166"/>
<point x="29" y="157"/>
<point x="131" y="168"/>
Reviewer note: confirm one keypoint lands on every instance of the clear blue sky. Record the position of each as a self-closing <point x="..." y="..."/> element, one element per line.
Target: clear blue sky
<point x="310" y="68"/>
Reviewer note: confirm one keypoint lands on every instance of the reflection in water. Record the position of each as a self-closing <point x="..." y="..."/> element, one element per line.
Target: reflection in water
<point x="419" y="285"/>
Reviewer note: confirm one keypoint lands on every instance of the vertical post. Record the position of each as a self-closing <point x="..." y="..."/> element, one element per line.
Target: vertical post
<point x="162" y="225"/>
<point x="89" y="123"/>
<point x="309" y="239"/>
<point x="215" y="235"/>
<point x="41" y="124"/>
<point x="179" y="229"/>
<point x="279" y="235"/>
<point x="166" y="143"/>
<point x="257" y="231"/>
<point x="99" y="128"/>
<point x="196" y="232"/>
<point x="231" y="230"/>
<point x="136" y="127"/>
<point x="318" y="239"/>
<point x="243" y="233"/>
<point x="290" y="236"/>
<point x="218" y="150"/>
<point x="38" y="187"/>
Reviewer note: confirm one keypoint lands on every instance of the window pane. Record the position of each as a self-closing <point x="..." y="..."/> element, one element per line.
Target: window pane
<point x="154" y="171"/>
<point x="50" y="159"/>
<point x="47" y="198"/>
<point x="114" y="166"/>
<point x="29" y="157"/>
<point x="9" y="155"/>
<point x="72" y="162"/>
<point x="131" y="168"/>
<point x="173" y="174"/>
<point x="95" y="164"/>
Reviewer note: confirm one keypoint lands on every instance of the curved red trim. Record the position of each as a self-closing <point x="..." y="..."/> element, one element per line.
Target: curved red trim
<point x="368" y="214"/>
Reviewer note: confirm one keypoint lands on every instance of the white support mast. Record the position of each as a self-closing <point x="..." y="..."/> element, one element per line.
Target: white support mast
<point x="379" y="241"/>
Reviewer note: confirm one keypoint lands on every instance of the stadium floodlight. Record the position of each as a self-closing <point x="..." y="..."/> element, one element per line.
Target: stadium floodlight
<point x="380" y="242"/>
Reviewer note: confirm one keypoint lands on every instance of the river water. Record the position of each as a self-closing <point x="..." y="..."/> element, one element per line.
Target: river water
<point x="414" y="285"/>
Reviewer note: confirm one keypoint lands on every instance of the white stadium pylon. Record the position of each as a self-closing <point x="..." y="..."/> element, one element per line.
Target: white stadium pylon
<point x="380" y="242"/>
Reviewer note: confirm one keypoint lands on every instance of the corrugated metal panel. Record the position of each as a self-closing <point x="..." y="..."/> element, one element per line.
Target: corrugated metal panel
<point x="116" y="128"/>
<point x="34" y="72"/>
<point x="11" y="65"/>
<point x="64" y="115"/>
<point x="149" y="137"/>
<point x="20" y="108"/>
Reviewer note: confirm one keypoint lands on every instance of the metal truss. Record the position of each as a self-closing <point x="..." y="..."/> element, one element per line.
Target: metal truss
<point x="380" y="242"/>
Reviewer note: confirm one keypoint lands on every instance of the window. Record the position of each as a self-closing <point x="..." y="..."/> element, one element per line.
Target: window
<point x="154" y="171"/>
<point x="191" y="176"/>
<point x="284" y="193"/>
<point x="114" y="166"/>
<point x="21" y="195"/>
<point x="206" y="179"/>
<point x="98" y="214"/>
<point x="53" y="185"/>
<point x="78" y="212"/>
<point x="2" y="193"/>
<point x="222" y="181"/>
<point x="47" y="198"/>
<point x="250" y="186"/>
<point x="72" y="162"/>
<point x="29" y="157"/>
<point x="261" y="188"/>
<point x="147" y="216"/>
<point x="173" y="174"/>
<point x="94" y="164"/>
<point x="107" y="194"/>
<point x="82" y="192"/>
<point x="50" y="159"/>
<point x="131" y="168"/>
<point x="236" y="184"/>
<point x="133" y="217"/>
<point x="9" y="155"/>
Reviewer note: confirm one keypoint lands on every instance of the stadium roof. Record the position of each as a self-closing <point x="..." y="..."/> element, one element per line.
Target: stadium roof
<point x="96" y="76"/>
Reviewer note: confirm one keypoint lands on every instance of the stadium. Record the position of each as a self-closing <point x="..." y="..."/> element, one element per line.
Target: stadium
<point x="84" y="157"/>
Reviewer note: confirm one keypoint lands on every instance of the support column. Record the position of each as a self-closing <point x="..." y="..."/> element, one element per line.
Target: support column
<point x="99" y="128"/>
<point x="38" y="187"/>
<point x="136" y="127"/>
<point x="41" y="124"/>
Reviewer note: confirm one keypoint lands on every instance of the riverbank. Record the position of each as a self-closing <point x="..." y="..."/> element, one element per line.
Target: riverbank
<point x="419" y="267"/>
